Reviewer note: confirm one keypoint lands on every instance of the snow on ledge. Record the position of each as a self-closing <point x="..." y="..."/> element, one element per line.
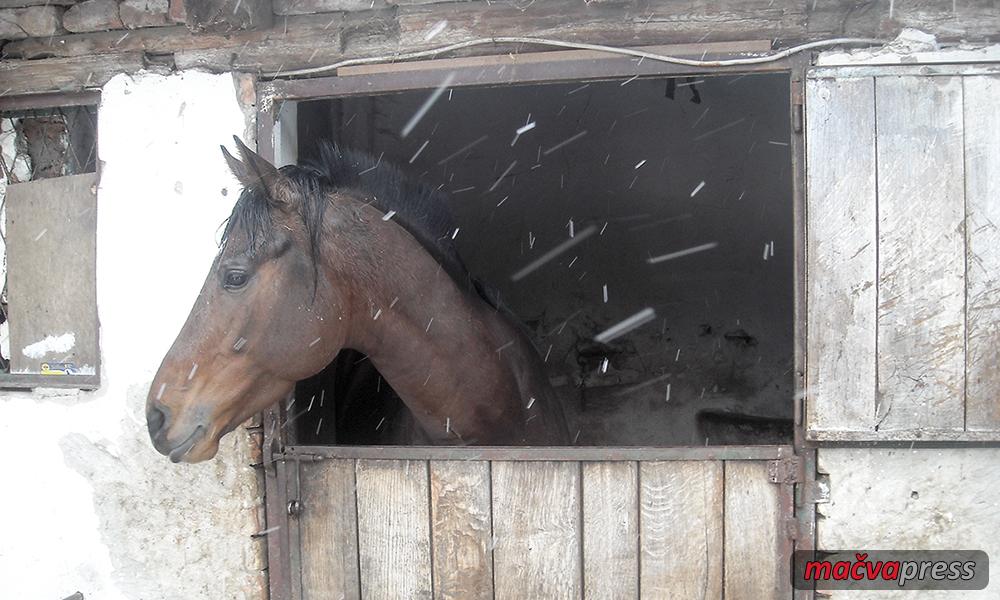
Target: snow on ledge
<point x="53" y="344"/>
<point x="911" y="46"/>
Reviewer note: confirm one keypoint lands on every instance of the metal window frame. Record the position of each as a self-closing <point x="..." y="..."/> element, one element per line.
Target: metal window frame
<point x="799" y="490"/>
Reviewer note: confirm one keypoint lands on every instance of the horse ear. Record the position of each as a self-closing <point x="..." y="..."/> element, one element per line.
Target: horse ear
<point x="254" y="169"/>
<point x="239" y="169"/>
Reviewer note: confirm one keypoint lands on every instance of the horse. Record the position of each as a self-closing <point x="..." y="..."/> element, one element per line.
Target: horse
<point x="346" y="254"/>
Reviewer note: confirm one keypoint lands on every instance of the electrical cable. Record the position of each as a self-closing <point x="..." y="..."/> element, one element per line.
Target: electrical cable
<point x="406" y="56"/>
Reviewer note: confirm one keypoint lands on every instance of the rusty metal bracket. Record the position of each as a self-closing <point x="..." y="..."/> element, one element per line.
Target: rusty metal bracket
<point x="786" y="470"/>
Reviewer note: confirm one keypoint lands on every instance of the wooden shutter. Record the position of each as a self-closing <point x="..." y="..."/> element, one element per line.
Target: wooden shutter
<point x="903" y="253"/>
<point x="51" y="289"/>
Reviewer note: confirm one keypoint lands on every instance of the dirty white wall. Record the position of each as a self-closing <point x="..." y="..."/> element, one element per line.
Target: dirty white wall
<point x="919" y="499"/>
<point x="87" y="504"/>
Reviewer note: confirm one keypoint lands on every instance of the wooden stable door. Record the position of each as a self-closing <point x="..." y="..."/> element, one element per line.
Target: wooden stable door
<point x="515" y="529"/>
<point x="903" y="253"/>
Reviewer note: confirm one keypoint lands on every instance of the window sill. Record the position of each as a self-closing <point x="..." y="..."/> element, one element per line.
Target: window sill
<point x="27" y="381"/>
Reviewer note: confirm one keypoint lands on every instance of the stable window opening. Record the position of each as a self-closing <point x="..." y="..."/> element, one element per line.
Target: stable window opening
<point x="639" y="228"/>
<point x="48" y="202"/>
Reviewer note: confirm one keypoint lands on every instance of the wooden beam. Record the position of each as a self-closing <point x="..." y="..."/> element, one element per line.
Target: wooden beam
<point x="167" y="40"/>
<point x="300" y="41"/>
<point x="53" y="100"/>
<point x="558" y="56"/>
<point x="535" y="453"/>
<point x="64" y="74"/>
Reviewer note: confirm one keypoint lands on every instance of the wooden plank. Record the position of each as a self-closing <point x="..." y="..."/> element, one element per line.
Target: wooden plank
<point x="681" y="21"/>
<point x="921" y="205"/>
<point x="982" y="188"/>
<point x="64" y="74"/>
<point x="51" y="259"/>
<point x="329" y="531"/>
<point x="531" y="454"/>
<point x="610" y="530"/>
<point x="462" y="528"/>
<point x="903" y="438"/>
<point x="53" y="100"/>
<point x="841" y="254"/>
<point x="385" y="32"/>
<point x="916" y="70"/>
<point x="30" y="382"/>
<point x="166" y="40"/>
<point x="317" y="40"/>
<point x="681" y="529"/>
<point x="753" y="548"/>
<point x="498" y="60"/>
<point x="394" y="529"/>
<point x="536" y="525"/>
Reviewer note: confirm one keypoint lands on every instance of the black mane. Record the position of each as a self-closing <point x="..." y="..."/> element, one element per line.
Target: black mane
<point x="418" y="208"/>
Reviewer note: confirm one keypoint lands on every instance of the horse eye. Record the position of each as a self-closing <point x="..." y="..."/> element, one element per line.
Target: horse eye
<point x="235" y="279"/>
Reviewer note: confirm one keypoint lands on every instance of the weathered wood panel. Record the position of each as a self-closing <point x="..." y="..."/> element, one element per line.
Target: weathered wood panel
<point x="624" y="23"/>
<point x="167" y="40"/>
<point x="536" y="525"/>
<point x="982" y="188"/>
<point x="394" y="529"/>
<point x="570" y="59"/>
<point x="610" y="530"/>
<point x="681" y="529"/>
<point x="841" y="254"/>
<point x="64" y="74"/>
<point x="462" y="530"/>
<point x="537" y="529"/>
<point x="51" y="259"/>
<point x="921" y="324"/>
<point x="329" y="531"/>
<point x="753" y="546"/>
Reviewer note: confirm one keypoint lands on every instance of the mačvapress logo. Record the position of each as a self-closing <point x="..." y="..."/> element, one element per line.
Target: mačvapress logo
<point x="891" y="570"/>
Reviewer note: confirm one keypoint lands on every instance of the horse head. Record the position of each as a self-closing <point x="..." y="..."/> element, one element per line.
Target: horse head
<point x="260" y="323"/>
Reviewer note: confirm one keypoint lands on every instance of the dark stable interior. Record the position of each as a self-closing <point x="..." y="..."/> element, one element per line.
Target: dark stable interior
<point x="653" y="167"/>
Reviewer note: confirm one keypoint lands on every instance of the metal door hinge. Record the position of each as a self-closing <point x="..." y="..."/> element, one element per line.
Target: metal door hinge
<point x="816" y="492"/>
<point x="797" y="118"/>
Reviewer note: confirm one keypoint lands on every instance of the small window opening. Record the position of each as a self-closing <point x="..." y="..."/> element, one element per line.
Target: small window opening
<point x="45" y="144"/>
<point x="672" y="322"/>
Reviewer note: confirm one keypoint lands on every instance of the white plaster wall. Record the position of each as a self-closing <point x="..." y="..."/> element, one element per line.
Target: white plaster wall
<point x="87" y="504"/>
<point x="921" y="499"/>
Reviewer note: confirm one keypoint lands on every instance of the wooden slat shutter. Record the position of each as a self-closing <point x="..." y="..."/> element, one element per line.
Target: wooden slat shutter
<point x="51" y="285"/>
<point x="903" y="253"/>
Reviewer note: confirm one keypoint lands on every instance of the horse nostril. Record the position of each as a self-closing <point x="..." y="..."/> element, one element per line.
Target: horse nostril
<point x="155" y="419"/>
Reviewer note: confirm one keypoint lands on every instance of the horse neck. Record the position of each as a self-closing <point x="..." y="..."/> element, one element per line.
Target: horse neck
<point x="440" y="347"/>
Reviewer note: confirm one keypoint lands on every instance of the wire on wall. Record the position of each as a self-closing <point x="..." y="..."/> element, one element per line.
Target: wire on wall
<point x="750" y="60"/>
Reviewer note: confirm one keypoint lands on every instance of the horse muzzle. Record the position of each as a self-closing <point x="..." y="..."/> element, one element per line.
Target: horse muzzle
<point x="175" y="446"/>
